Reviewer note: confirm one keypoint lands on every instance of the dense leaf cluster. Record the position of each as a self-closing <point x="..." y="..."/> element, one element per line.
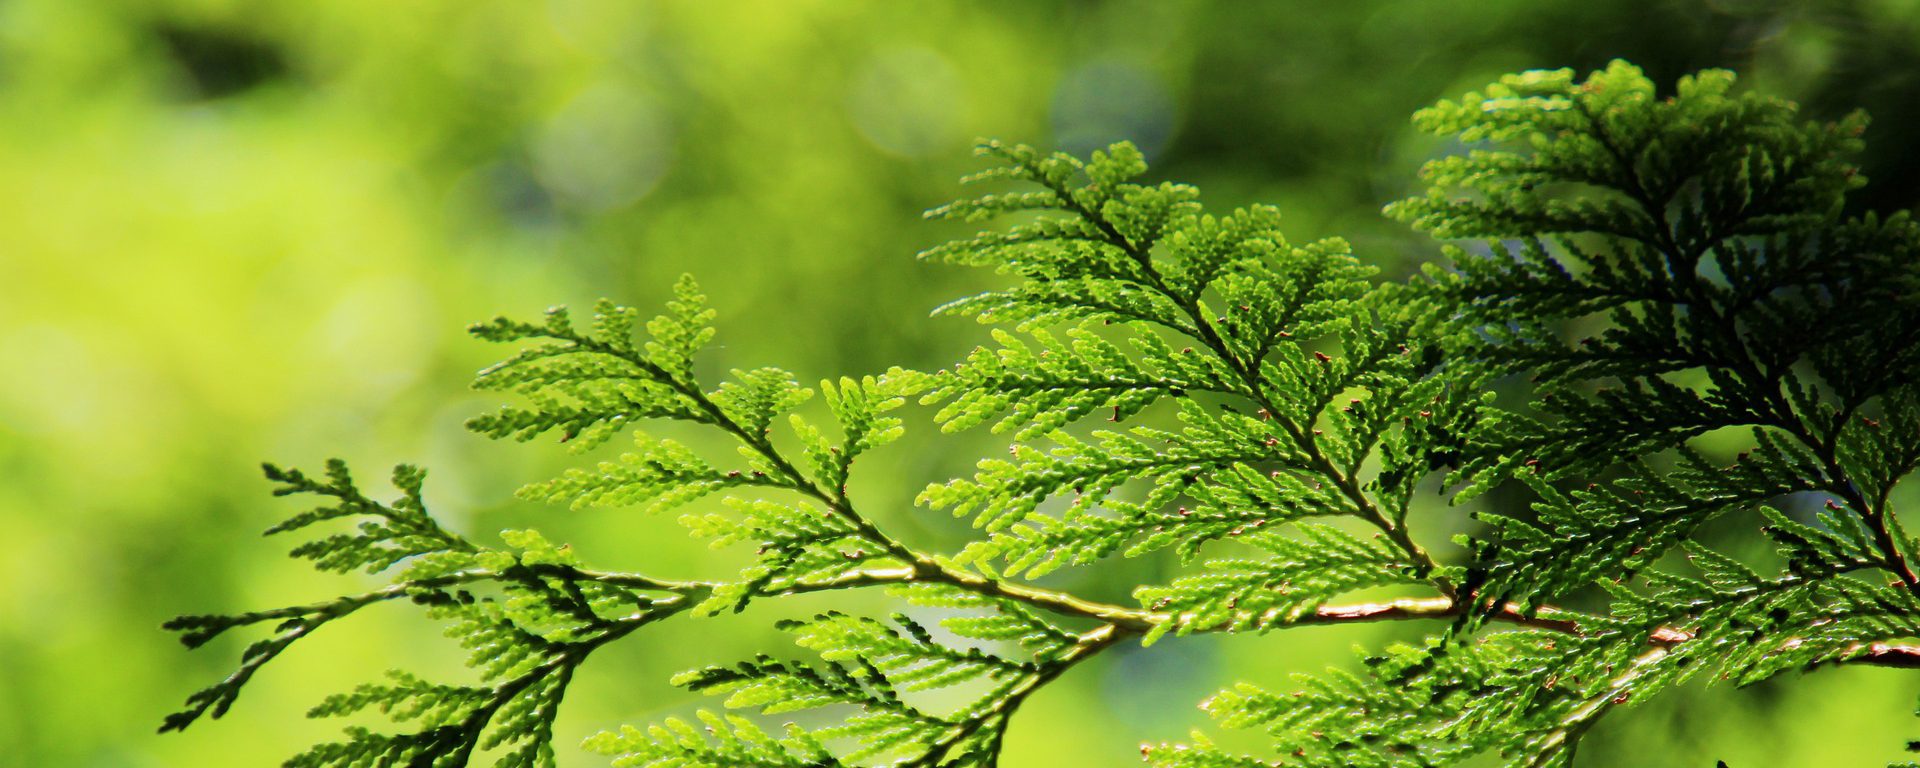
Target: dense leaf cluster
<point x="1667" y="321"/>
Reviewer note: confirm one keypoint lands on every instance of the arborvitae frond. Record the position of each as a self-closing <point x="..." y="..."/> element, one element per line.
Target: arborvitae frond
<point x="1241" y="594"/>
<point x="879" y="667"/>
<point x="1621" y="526"/>
<point x="1748" y="165"/>
<point x="528" y="613"/>
<point x="1700" y="231"/>
<point x="592" y="385"/>
<point x="1034" y="391"/>
<point x="816" y="541"/>
<point x="859" y="405"/>
<point x="987" y="618"/>
<point x="1702" y="228"/>
<point x="1005" y="493"/>
<point x="808" y="541"/>
<point x="1270" y="338"/>
<point x="722" y="742"/>
<point x="1509" y="694"/>
<point x="1266" y="412"/>
<point x="1745" y="629"/>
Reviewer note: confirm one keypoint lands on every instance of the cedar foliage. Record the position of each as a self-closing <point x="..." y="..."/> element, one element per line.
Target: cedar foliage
<point x="1651" y="314"/>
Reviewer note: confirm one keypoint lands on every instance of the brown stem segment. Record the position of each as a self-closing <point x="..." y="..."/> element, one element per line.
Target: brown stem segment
<point x="1128" y="621"/>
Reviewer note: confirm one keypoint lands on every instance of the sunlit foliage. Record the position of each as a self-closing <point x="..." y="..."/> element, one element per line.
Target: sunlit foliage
<point x="1180" y="379"/>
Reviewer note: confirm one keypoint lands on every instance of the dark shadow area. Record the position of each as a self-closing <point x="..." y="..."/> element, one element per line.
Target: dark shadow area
<point x="218" y="63"/>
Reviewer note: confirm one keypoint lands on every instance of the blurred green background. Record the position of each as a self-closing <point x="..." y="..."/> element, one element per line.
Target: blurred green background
<point x="233" y="231"/>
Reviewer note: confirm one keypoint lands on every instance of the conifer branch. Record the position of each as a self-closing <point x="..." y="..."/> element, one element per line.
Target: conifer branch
<point x="1202" y="329"/>
<point x="1699" y="231"/>
<point x="1684" y="266"/>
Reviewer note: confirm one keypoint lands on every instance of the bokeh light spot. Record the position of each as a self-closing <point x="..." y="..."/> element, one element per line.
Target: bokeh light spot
<point x="908" y="102"/>
<point x="606" y="148"/>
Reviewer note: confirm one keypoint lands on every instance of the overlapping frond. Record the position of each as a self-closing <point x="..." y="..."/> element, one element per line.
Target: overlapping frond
<point x="1699" y="231"/>
<point x="1671" y="277"/>
<point x="1504" y="695"/>
<point x="1619" y="527"/>
<point x="882" y="670"/>
<point x="1528" y="696"/>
